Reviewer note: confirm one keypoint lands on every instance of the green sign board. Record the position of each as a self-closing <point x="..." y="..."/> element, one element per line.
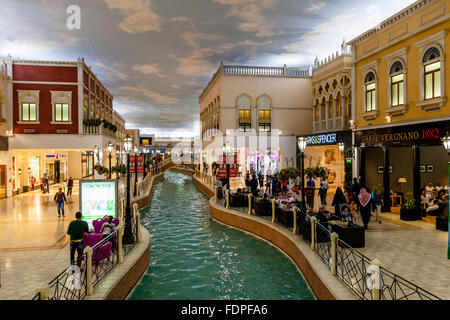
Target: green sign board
<point x="98" y="198"/>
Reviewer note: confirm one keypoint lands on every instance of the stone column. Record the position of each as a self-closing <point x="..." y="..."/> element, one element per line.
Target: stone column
<point x="334" y="112"/>
<point x="343" y="110"/>
<point x="386" y="180"/>
<point x="327" y="107"/>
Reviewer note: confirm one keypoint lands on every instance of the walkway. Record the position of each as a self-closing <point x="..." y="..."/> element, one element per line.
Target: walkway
<point x="33" y="243"/>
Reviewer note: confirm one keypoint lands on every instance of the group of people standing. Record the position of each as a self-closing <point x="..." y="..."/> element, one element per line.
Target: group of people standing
<point x="359" y="198"/>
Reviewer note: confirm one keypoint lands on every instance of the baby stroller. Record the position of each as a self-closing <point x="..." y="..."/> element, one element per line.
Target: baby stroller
<point x="346" y="215"/>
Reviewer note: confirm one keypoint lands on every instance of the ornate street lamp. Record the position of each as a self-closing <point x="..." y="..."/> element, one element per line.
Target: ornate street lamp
<point x="136" y="153"/>
<point x="302" y="141"/>
<point x="128" y="237"/>
<point x="110" y="148"/>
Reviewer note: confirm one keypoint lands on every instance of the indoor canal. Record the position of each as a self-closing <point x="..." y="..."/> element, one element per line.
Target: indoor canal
<point x="194" y="257"/>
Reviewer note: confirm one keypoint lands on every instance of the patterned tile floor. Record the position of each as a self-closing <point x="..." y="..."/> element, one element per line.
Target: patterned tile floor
<point x="33" y="242"/>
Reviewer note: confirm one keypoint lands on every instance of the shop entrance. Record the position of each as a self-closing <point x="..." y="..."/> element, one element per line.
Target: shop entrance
<point x="57" y="171"/>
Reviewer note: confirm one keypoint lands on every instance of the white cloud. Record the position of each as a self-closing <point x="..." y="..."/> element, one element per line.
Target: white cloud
<point x="327" y="37"/>
<point x="315" y="6"/>
<point x="110" y="73"/>
<point x="157" y="97"/>
<point x="149" y="69"/>
<point x="139" y="17"/>
<point x="251" y="13"/>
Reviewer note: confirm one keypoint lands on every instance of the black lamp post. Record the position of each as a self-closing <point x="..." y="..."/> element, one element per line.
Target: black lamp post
<point x="302" y="146"/>
<point x="128" y="237"/>
<point x="110" y="148"/>
<point x="136" y="153"/>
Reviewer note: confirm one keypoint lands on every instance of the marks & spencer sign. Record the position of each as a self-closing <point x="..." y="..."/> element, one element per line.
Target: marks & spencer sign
<point x="322" y="139"/>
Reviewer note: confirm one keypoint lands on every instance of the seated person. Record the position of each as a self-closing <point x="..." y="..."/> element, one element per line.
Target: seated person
<point x="429" y="189"/>
<point x="323" y="215"/>
<point x="433" y="207"/>
<point x="346" y="215"/>
<point x="108" y="227"/>
<point x="438" y="187"/>
<point x="425" y="198"/>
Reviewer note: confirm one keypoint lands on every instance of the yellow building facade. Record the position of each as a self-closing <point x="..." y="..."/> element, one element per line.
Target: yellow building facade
<point x="400" y="101"/>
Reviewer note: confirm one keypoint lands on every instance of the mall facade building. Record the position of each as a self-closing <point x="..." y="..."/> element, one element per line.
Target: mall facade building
<point x="51" y="115"/>
<point x="331" y="118"/>
<point x="256" y="113"/>
<point x="401" y="109"/>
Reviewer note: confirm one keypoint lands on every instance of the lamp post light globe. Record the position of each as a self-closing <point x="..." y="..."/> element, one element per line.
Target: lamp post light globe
<point x="446" y="141"/>
<point x="341" y="147"/>
<point x="302" y="144"/>
<point x="127" y="144"/>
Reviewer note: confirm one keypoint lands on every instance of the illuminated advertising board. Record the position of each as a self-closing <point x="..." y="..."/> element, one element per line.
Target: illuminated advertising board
<point x="322" y="139"/>
<point x="98" y="198"/>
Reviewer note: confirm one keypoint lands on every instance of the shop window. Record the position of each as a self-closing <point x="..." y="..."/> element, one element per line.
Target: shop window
<point x="370" y="92"/>
<point x="62" y="112"/>
<point x="29" y="112"/>
<point x="317" y="113"/>
<point x="330" y="110"/>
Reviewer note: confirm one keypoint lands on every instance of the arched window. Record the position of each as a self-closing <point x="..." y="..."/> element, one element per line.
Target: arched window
<point x="432" y="73"/>
<point x="370" y="91"/>
<point x="397" y="84"/>
<point x="244" y="113"/>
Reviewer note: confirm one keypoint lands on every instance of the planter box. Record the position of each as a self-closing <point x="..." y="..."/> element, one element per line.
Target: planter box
<point x="441" y="224"/>
<point x="410" y="215"/>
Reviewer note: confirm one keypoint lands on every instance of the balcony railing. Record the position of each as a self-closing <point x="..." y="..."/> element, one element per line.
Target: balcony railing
<point x="267" y="71"/>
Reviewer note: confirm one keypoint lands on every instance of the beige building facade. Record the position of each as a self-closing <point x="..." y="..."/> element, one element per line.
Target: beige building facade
<point x="257" y="113"/>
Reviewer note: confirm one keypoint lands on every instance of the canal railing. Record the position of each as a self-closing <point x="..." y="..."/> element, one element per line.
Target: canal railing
<point x="79" y="280"/>
<point x="367" y="279"/>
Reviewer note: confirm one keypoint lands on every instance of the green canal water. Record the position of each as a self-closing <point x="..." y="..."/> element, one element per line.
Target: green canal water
<point x="195" y="258"/>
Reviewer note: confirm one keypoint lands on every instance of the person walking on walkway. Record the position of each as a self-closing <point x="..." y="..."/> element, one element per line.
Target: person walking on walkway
<point x="338" y="200"/>
<point x="355" y="189"/>
<point x="76" y="231"/>
<point x="44" y="184"/>
<point x="323" y="191"/>
<point x="365" y="200"/>
<point x="32" y="182"/>
<point x="60" y="199"/>
<point x="309" y="195"/>
<point x="298" y="181"/>
<point x="274" y="185"/>
<point x="377" y="196"/>
<point x="69" y="186"/>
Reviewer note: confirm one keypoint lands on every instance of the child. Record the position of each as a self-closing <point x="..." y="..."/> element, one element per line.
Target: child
<point x="353" y="208"/>
<point x="346" y="215"/>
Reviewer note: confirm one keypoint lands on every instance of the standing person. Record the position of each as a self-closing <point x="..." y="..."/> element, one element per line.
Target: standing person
<point x="247" y="183"/>
<point x="269" y="185"/>
<point x="76" y="231"/>
<point x="254" y="186"/>
<point x="284" y="186"/>
<point x="377" y="196"/>
<point x="309" y="195"/>
<point x="274" y="185"/>
<point x="365" y="200"/>
<point x="355" y="189"/>
<point x="324" y="186"/>
<point x="298" y="181"/>
<point x="338" y="200"/>
<point x="44" y="184"/>
<point x="60" y="198"/>
<point x="261" y="181"/>
<point x="32" y="182"/>
<point x="311" y="182"/>
<point x="69" y="186"/>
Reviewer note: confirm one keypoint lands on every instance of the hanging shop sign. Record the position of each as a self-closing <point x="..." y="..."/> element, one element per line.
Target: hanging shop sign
<point x="426" y="134"/>
<point x="233" y="170"/>
<point x="222" y="172"/>
<point x="132" y="165"/>
<point x="140" y="164"/>
<point x="98" y="198"/>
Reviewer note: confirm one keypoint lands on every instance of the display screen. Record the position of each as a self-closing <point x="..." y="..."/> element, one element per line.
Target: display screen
<point x="98" y="198"/>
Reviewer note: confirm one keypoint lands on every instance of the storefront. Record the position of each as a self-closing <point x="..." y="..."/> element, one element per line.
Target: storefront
<point x="87" y="164"/>
<point x="262" y="161"/>
<point x="323" y="151"/>
<point x="414" y="155"/>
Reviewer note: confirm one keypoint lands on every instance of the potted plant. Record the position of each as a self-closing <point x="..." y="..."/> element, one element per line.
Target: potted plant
<point x="101" y="170"/>
<point x="408" y="211"/>
<point x="442" y="220"/>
